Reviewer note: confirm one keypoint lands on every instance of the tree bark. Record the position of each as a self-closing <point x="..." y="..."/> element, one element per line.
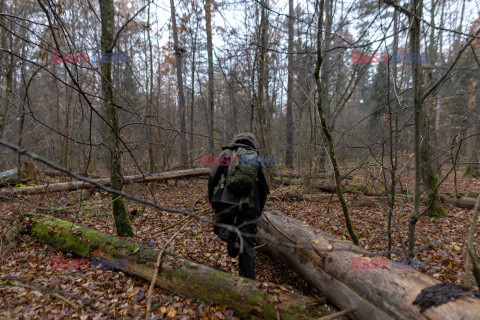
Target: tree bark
<point x="473" y="130"/>
<point x="245" y="297"/>
<point x="69" y="186"/>
<point x="211" y="102"/>
<point x="150" y="79"/>
<point x="289" y="119"/>
<point x="373" y="292"/>
<point x="181" y="95"/>
<point x="192" y="98"/>
<point x="122" y="223"/>
<point x="262" y="77"/>
<point x="417" y="78"/>
<point x="9" y="62"/>
<point x="6" y="60"/>
<point x="423" y="165"/>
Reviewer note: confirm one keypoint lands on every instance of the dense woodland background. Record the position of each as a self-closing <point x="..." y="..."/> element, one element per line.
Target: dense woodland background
<point x="250" y="75"/>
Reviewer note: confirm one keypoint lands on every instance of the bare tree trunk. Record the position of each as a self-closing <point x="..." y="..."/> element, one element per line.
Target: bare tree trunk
<point x="122" y="223"/>
<point x="7" y="61"/>
<point x="3" y="61"/>
<point x="473" y="131"/>
<point x="441" y="60"/>
<point x="20" y="140"/>
<point x="289" y="120"/>
<point x="208" y="20"/>
<point x="192" y="102"/>
<point x="393" y="126"/>
<point x="151" y="158"/>
<point x="181" y="96"/>
<point x="252" y="92"/>
<point x="262" y="76"/>
<point x="416" y="8"/>
<point x="432" y="59"/>
<point x="67" y="128"/>
<point x="434" y="203"/>
<point x="325" y="127"/>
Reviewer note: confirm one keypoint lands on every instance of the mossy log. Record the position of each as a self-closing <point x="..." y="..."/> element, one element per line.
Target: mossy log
<point x="244" y="296"/>
<point x="68" y="186"/>
<point x="371" y="286"/>
<point x="462" y="202"/>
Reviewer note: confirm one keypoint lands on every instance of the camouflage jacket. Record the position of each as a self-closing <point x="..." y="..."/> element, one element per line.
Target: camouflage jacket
<point x="219" y="194"/>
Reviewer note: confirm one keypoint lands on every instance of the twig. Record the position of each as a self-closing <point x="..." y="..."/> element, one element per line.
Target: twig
<point x="173" y="225"/>
<point x="337" y="314"/>
<point x="157" y="269"/>
<point x="52" y="293"/>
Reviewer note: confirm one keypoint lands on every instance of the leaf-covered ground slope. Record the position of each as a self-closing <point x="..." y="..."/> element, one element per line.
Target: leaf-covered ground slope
<point x="124" y="297"/>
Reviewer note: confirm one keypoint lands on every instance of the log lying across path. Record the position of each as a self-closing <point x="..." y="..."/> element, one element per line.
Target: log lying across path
<point x="334" y="267"/>
<point x="325" y="186"/>
<point x="68" y="186"/>
<point x="8" y="176"/>
<point x="462" y="202"/>
<point x="245" y="297"/>
<point x="313" y="176"/>
<point x="330" y="187"/>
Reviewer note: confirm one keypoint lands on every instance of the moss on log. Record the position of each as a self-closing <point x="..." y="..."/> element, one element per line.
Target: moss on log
<point x="178" y="275"/>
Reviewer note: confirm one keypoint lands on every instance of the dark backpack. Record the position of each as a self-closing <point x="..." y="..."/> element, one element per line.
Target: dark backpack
<point x="242" y="171"/>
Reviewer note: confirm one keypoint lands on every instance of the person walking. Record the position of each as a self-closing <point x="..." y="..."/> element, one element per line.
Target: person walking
<point x="238" y="189"/>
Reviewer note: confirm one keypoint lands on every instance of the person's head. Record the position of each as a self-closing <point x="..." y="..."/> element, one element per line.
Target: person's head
<point x="248" y="135"/>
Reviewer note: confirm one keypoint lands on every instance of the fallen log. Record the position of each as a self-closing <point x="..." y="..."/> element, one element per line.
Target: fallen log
<point x="330" y="187"/>
<point x="9" y="177"/>
<point x="244" y="296"/>
<point x="291" y="175"/>
<point x="374" y="289"/>
<point x="68" y="186"/>
<point x="462" y="202"/>
<point x="5" y="176"/>
<point x="287" y="193"/>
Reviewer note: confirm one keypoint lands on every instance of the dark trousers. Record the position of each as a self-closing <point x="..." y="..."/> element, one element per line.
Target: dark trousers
<point x="246" y="221"/>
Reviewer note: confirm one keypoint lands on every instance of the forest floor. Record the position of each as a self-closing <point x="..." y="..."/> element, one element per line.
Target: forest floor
<point x="125" y="297"/>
